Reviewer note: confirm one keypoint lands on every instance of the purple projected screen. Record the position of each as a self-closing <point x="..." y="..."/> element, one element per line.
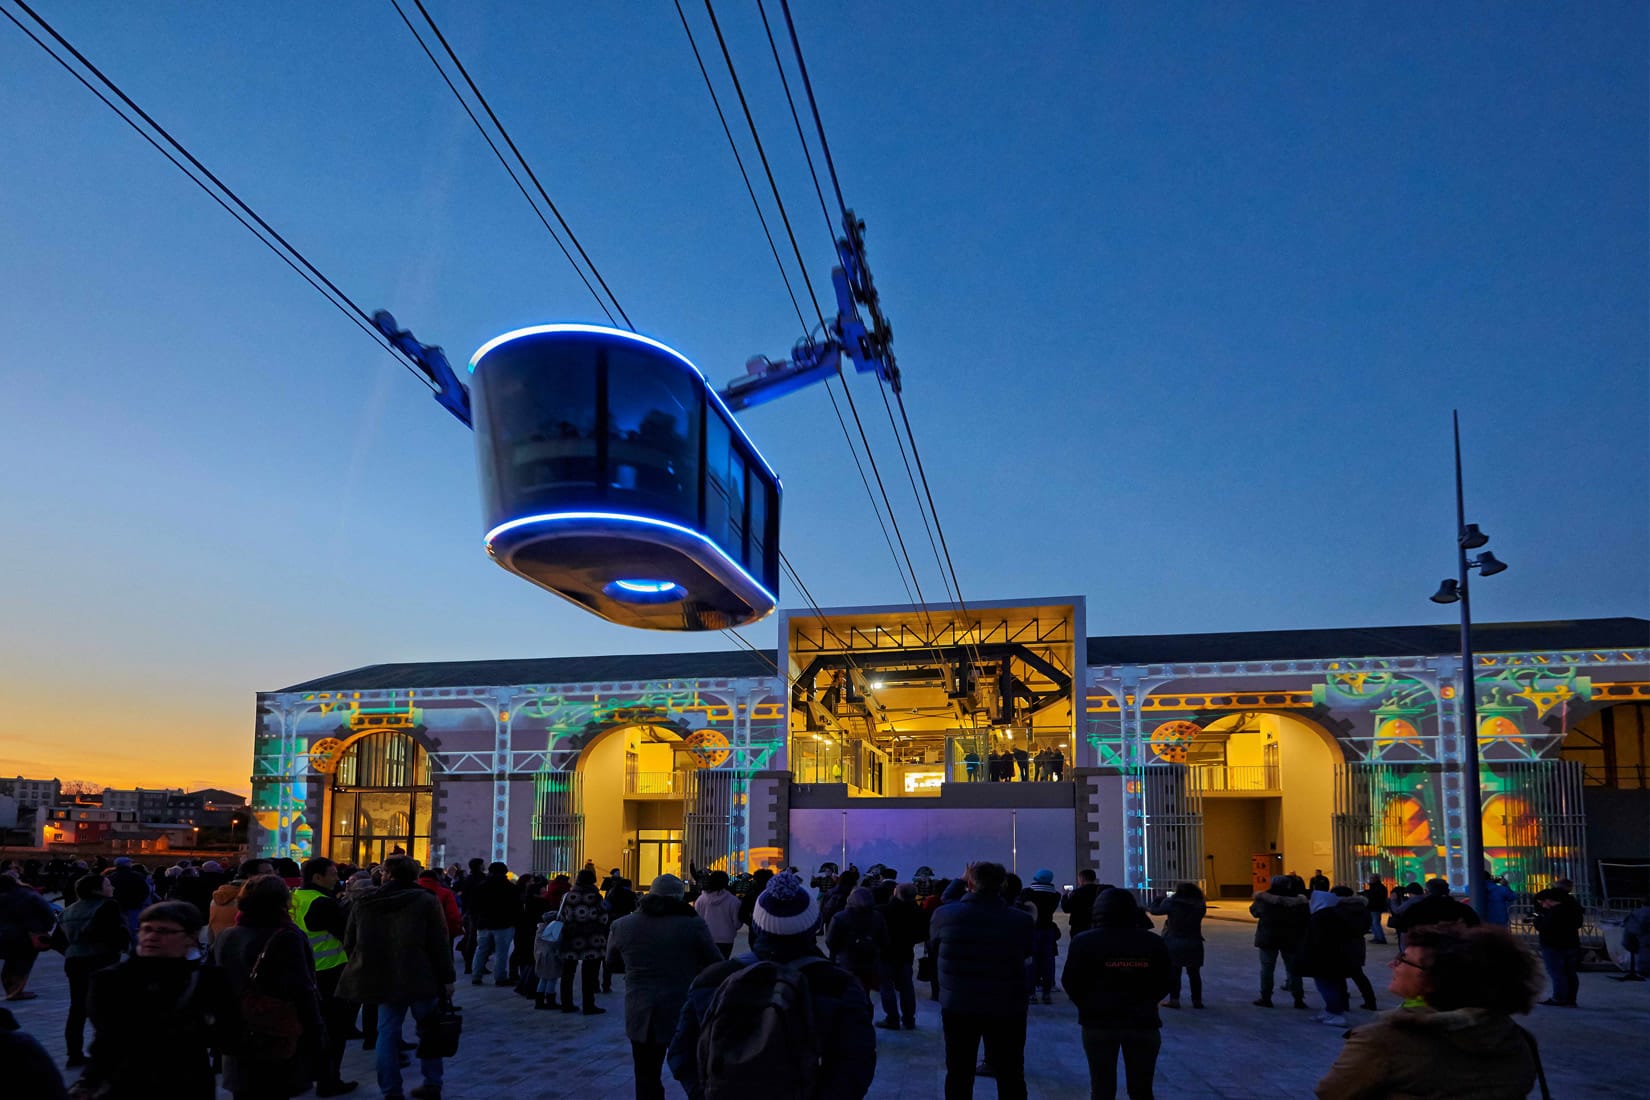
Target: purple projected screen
<point x="946" y="840"/>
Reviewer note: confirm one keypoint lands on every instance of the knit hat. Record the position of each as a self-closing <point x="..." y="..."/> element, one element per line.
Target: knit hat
<point x="212" y="865"/>
<point x="668" y="886"/>
<point x="1043" y="875"/>
<point x="786" y="907"/>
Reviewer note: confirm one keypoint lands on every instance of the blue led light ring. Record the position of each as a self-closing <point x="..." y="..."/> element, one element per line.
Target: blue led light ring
<point x="635" y="337"/>
<point x="557" y="517"/>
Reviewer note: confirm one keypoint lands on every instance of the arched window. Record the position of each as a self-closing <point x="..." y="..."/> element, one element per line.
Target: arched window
<point x="381" y="800"/>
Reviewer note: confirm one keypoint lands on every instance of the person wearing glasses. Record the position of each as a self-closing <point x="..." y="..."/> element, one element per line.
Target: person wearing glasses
<point x="1454" y="1034"/>
<point x="160" y="999"/>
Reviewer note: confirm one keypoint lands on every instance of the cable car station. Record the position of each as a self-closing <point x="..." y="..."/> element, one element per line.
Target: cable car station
<point x="931" y="736"/>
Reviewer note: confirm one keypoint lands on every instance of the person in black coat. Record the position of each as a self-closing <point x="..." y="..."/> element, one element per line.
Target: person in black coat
<point x="158" y="999"/>
<point x="1116" y="973"/>
<point x="1184" y="911"/>
<point x="1325" y="957"/>
<point x="981" y="944"/>
<point x="1079" y="904"/>
<point x="1375" y="896"/>
<point x="1280" y="930"/>
<point x="1434" y="907"/>
<point x="907" y="926"/>
<point x="495" y="903"/>
<point x="28" y="1068"/>
<point x="267" y="954"/>
<point x="1558" y="918"/>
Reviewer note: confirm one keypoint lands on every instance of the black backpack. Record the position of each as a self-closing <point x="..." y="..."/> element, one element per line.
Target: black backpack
<point x="758" y="1038"/>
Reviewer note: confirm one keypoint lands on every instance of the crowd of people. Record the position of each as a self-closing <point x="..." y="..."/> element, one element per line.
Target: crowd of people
<point x="264" y="974"/>
<point x="1046" y="765"/>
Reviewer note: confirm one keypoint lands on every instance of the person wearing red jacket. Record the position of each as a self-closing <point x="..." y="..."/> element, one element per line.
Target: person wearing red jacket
<point x="431" y="881"/>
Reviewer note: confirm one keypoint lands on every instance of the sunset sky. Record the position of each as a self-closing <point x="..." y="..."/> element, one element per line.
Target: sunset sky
<point x="1183" y="298"/>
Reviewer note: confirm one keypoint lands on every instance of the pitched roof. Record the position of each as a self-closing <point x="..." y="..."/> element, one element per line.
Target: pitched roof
<point x="1138" y="649"/>
<point x="1369" y="641"/>
<point x="549" y="670"/>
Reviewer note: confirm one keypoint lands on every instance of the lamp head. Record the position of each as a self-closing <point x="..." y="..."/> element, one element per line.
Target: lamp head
<point x="1449" y="591"/>
<point x="1488" y="565"/>
<point x="1472" y="538"/>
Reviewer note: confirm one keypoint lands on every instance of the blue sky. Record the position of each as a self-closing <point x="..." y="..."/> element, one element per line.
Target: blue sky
<point x="1182" y="299"/>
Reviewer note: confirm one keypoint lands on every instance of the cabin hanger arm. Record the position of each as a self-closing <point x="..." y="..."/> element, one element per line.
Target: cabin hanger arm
<point x="450" y="394"/>
<point x="812" y="360"/>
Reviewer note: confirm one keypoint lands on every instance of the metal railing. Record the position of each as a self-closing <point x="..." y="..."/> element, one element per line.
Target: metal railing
<point x="1240" y="777"/>
<point x="655" y="783"/>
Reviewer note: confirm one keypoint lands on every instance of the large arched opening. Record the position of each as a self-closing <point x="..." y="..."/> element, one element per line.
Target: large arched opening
<point x="633" y="787"/>
<point x="380" y="800"/>
<point x="1266" y="785"/>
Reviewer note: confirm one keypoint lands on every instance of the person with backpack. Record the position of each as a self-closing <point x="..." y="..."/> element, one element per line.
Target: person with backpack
<point x="660" y="949"/>
<point x="982" y="944"/>
<point x="781" y="1023"/>
<point x="858" y="937"/>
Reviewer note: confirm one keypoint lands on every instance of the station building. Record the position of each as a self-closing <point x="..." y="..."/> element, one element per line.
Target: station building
<point x="883" y="735"/>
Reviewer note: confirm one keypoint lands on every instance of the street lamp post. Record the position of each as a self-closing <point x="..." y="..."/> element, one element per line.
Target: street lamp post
<point x="1469" y="537"/>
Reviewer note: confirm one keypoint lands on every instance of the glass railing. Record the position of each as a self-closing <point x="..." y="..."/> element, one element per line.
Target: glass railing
<point x="1217" y="778"/>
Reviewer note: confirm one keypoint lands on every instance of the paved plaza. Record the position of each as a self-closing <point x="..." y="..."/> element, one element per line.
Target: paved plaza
<point x="1230" y="1049"/>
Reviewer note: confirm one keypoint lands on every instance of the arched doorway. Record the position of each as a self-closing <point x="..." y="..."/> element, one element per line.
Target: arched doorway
<point x="380" y="800"/>
<point x="633" y="784"/>
<point x="1265" y="783"/>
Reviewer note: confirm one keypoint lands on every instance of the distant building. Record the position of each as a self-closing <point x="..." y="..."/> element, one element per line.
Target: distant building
<point x="82" y="825"/>
<point x="32" y="792"/>
<point x="147" y="804"/>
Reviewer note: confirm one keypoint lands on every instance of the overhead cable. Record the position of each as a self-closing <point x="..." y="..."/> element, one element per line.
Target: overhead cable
<point x="508" y="140"/>
<point x="291" y="256"/>
<point x="750" y="121"/>
<point x="493" y="145"/>
<point x="740" y="161"/>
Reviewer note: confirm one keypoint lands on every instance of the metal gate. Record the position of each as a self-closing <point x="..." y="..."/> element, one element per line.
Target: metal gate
<point x="709" y="840"/>
<point x="1534" y="825"/>
<point x="558" y="822"/>
<point x="1173" y="833"/>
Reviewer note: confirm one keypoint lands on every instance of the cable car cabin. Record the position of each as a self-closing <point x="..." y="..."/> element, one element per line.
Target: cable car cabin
<point x="615" y="477"/>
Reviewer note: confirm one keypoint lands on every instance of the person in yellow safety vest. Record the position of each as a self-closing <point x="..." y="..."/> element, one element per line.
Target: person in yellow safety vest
<point x="316" y="912"/>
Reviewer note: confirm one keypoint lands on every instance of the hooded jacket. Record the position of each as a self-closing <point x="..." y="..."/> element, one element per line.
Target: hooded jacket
<point x="1425" y="1054"/>
<point x="1332" y="934"/>
<point x="495" y="903"/>
<point x="397" y="945"/>
<point x="1116" y="972"/>
<point x="225" y="901"/>
<point x="1280" y="920"/>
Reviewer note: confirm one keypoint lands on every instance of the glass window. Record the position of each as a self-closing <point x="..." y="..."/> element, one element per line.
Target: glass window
<point x="757" y="557"/>
<point x="718" y="444"/>
<point x="736" y="506"/>
<point x="539" y="411"/>
<point x="654" y="408"/>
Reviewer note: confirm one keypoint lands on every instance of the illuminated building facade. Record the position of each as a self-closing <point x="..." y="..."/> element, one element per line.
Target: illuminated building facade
<point x="913" y="737"/>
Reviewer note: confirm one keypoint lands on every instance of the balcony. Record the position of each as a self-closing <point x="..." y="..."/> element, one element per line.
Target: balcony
<point x="1240" y="779"/>
<point x="655" y="784"/>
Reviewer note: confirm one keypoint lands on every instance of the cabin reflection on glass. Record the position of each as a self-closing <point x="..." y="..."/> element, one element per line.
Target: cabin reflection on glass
<point x="613" y="475"/>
